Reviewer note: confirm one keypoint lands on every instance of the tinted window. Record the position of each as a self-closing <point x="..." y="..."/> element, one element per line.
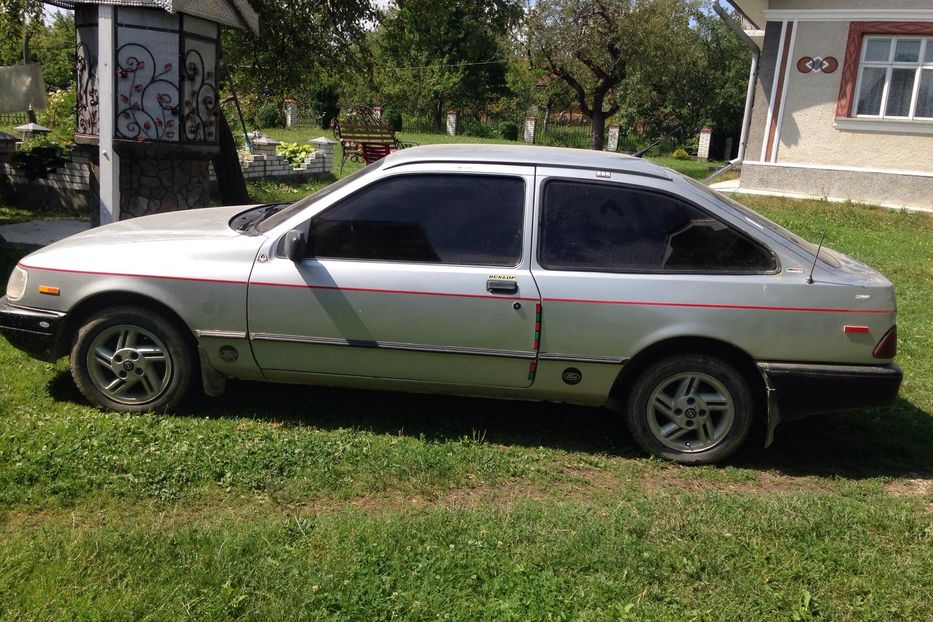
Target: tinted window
<point x="458" y="219"/>
<point x="606" y="227"/>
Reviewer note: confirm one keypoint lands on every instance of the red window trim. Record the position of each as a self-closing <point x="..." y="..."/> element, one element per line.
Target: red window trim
<point x="857" y="32"/>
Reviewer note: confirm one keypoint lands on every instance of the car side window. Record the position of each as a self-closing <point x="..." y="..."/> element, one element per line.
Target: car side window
<point x="613" y="228"/>
<point x="430" y="218"/>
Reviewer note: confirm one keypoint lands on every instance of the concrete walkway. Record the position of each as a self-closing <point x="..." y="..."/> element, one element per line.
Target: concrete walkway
<point x="41" y="232"/>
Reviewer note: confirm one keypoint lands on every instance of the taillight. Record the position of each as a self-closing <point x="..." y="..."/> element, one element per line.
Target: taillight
<point x="887" y="347"/>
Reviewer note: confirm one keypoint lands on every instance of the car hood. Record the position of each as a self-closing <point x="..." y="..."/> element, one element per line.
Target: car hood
<point x="210" y="222"/>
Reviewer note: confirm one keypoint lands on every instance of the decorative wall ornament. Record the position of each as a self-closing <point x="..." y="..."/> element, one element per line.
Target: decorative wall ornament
<point x="810" y="64"/>
<point x="85" y="71"/>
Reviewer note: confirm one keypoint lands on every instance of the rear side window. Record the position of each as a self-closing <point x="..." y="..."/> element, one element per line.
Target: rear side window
<point x="455" y="219"/>
<point x="612" y="228"/>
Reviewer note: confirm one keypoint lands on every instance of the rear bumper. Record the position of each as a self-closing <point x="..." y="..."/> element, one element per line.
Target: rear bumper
<point x="33" y="331"/>
<point x="806" y="389"/>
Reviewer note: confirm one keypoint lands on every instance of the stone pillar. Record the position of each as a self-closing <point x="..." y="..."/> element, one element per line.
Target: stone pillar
<point x="377" y="112"/>
<point x="727" y="152"/>
<point x="291" y="113"/>
<point x="612" y="143"/>
<point x="703" y="148"/>
<point x="530" y="130"/>
<point x="326" y="147"/>
<point x="452" y="122"/>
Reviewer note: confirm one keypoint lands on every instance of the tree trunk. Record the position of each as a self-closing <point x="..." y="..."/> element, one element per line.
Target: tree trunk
<point x="598" y="121"/>
<point x="230" y="179"/>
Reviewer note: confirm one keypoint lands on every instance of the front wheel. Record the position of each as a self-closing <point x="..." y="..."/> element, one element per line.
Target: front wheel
<point x="132" y="360"/>
<point x="692" y="409"/>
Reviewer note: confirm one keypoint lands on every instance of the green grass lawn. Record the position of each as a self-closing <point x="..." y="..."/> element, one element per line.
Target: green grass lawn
<point x="279" y="502"/>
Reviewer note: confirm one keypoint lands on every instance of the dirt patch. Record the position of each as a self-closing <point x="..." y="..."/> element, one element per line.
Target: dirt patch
<point x="577" y="484"/>
<point x="911" y="485"/>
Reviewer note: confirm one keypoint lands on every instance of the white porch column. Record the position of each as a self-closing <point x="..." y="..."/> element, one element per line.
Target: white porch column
<point x="106" y="86"/>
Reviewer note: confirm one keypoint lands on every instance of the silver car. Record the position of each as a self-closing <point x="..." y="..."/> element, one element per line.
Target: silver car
<point x="500" y="271"/>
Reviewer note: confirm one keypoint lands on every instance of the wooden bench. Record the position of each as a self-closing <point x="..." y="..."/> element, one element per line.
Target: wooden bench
<point x="366" y="142"/>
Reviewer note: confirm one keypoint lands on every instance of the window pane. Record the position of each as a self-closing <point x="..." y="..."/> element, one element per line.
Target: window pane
<point x="925" y="96"/>
<point x="869" y="99"/>
<point x="457" y="219"/>
<point x="907" y="51"/>
<point x="615" y="229"/>
<point x="877" y="50"/>
<point x="928" y="55"/>
<point x="900" y="92"/>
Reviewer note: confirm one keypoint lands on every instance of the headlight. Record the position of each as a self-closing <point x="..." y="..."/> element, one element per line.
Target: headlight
<point x="16" y="286"/>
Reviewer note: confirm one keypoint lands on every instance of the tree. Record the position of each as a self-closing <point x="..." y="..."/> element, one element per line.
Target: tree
<point x="707" y="88"/>
<point x="298" y="41"/>
<point x="19" y="22"/>
<point x="594" y="45"/>
<point x="53" y="45"/>
<point x="435" y="54"/>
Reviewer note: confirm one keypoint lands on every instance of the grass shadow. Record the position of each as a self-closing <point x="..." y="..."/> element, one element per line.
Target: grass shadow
<point x="889" y="442"/>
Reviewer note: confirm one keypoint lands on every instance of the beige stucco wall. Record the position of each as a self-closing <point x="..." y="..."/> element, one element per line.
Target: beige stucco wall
<point x="807" y="134"/>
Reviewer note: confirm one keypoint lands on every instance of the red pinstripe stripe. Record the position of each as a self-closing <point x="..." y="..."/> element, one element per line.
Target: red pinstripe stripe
<point x="293" y="285"/>
<point x="634" y="303"/>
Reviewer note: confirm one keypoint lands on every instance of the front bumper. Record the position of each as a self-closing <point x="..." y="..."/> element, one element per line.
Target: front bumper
<point x="33" y="331"/>
<point x="804" y="389"/>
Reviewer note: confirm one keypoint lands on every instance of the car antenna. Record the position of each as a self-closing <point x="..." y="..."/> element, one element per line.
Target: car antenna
<point x="817" y="256"/>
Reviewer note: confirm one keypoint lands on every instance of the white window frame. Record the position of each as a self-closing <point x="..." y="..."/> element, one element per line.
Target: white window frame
<point x="890" y="65"/>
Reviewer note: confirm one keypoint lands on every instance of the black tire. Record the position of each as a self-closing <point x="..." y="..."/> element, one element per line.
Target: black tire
<point x="699" y="423"/>
<point x="155" y="363"/>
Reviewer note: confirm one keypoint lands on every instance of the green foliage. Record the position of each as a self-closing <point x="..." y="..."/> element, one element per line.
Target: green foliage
<point x="477" y="129"/>
<point x="39" y="156"/>
<point x="680" y="154"/>
<point x="269" y="115"/>
<point x="594" y="46"/>
<point x="293" y="152"/>
<point x="59" y="116"/>
<point x="432" y="55"/>
<point x="53" y="45"/>
<point x="393" y="118"/>
<point x="508" y="130"/>
<point x="299" y="41"/>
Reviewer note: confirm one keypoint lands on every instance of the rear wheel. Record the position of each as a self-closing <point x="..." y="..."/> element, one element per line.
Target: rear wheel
<point x="692" y="409"/>
<point x="132" y="360"/>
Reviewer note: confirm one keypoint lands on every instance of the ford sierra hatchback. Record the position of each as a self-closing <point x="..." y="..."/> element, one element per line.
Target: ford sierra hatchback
<point x="500" y="271"/>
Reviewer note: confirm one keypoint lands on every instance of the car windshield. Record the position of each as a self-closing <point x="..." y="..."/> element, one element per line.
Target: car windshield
<point x="281" y="216"/>
<point x="763" y="223"/>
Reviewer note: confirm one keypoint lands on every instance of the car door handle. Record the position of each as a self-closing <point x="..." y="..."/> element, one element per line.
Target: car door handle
<point x="501" y="286"/>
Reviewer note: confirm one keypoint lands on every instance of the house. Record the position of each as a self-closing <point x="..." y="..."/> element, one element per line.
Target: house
<point x="840" y="101"/>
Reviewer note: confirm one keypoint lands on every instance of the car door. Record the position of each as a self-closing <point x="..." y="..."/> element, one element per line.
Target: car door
<point x="421" y="275"/>
<point x="627" y="255"/>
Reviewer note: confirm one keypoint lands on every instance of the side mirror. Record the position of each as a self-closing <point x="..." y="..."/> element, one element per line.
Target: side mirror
<point x="296" y="246"/>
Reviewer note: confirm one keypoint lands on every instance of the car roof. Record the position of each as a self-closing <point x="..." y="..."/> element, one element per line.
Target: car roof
<point x="528" y="155"/>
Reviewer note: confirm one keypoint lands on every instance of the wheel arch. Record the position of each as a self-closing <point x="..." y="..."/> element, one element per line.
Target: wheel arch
<point x="730" y="353"/>
<point x="99" y="301"/>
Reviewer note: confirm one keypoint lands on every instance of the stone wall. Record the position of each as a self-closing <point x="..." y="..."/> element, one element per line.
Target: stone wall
<point x="153" y="181"/>
<point x="154" y="186"/>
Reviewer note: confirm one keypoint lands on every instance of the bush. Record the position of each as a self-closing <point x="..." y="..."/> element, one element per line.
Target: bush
<point x="392" y="118"/>
<point x="293" y="152"/>
<point x="478" y="130"/>
<point x="268" y="115"/>
<point x="680" y="154"/>
<point x="38" y="157"/>
<point x="59" y="116"/>
<point x="508" y="130"/>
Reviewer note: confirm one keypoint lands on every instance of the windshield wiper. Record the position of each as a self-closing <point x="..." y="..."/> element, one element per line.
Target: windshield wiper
<point x="248" y="220"/>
